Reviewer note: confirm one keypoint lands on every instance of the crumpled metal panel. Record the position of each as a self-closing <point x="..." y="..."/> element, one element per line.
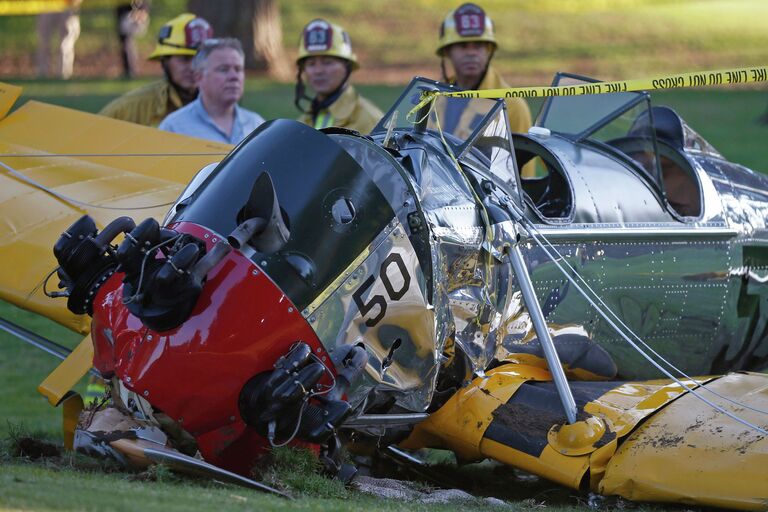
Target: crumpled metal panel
<point x="466" y="274"/>
<point x="405" y="369"/>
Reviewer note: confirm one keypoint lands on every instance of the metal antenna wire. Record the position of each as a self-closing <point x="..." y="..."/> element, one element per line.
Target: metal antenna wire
<point x="531" y="229"/>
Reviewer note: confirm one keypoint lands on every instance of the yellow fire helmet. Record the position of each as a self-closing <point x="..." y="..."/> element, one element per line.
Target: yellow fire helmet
<point x="181" y="36"/>
<point x="466" y="23"/>
<point x="320" y="37"/>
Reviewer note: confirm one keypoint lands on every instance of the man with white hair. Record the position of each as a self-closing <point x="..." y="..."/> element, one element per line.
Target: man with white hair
<point x="215" y="115"/>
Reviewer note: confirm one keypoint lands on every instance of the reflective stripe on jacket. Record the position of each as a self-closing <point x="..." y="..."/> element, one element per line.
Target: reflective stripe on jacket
<point x="350" y="111"/>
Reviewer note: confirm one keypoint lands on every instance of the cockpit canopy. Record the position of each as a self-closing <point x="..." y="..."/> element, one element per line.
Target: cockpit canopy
<point x="654" y="140"/>
<point x="649" y="142"/>
<point x="604" y="117"/>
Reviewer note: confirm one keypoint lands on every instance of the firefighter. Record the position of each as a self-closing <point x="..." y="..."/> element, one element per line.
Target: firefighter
<point x="327" y="61"/>
<point x="177" y="44"/>
<point x="468" y="42"/>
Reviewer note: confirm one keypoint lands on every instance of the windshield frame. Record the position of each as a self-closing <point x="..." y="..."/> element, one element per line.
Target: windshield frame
<point x="458" y="145"/>
<point x="585" y="136"/>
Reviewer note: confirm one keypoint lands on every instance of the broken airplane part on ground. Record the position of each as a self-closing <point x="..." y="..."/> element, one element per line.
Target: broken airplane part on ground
<point x="410" y="289"/>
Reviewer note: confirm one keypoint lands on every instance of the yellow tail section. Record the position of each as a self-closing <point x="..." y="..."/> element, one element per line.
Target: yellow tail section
<point x="647" y="441"/>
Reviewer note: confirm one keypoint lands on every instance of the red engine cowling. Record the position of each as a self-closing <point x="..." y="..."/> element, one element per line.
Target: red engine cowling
<point x="240" y="326"/>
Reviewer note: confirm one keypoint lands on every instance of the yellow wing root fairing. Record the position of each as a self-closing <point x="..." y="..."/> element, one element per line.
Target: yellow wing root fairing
<point x="57" y="385"/>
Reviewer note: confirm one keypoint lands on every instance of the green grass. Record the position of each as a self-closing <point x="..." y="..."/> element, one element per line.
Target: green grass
<point x="26" y="486"/>
<point x="22" y="368"/>
<point x="68" y="481"/>
<point x="618" y="39"/>
<point x="35" y="486"/>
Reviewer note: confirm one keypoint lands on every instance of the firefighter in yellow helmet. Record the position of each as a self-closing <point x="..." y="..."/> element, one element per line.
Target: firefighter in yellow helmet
<point x="468" y="42"/>
<point x="177" y="44"/>
<point x="326" y="61"/>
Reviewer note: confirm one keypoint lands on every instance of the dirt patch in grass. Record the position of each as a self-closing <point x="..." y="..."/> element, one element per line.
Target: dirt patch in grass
<point x="32" y="448"/>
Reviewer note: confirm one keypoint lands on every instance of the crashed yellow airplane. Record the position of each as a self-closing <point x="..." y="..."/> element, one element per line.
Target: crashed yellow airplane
<point x="408" y="290"/>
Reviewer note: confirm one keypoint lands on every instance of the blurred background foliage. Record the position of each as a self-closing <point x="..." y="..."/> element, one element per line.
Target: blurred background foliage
<point x="395" y="39"/>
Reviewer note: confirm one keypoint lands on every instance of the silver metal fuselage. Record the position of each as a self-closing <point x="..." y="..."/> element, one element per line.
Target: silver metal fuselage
<point x="673" y="280"/>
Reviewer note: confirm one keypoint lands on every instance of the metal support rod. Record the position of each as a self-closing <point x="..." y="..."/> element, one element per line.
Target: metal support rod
<point x="44" y="344"/>
<point x="540" y="326"/>
<point x="385" y="420"/>
<point x="405" y="456"/>
<point x="33" y="339"/>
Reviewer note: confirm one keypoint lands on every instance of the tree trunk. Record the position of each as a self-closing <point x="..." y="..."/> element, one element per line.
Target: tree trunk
<point x="268" y="38"/>
<point x="256" y="23"/>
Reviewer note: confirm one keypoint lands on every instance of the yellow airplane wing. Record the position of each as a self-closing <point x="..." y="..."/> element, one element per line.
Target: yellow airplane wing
<point x="8" y="96"/>
<point x="57" y="164"/>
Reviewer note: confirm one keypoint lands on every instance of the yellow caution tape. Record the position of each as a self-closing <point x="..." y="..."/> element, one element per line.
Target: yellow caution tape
<point x="699" y="79"/>
<point x="26" y="7"/>
<point x="16" y="7"/>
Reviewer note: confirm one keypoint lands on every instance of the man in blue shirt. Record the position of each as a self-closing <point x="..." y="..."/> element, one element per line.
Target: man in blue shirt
<point x="215" y="114"/>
